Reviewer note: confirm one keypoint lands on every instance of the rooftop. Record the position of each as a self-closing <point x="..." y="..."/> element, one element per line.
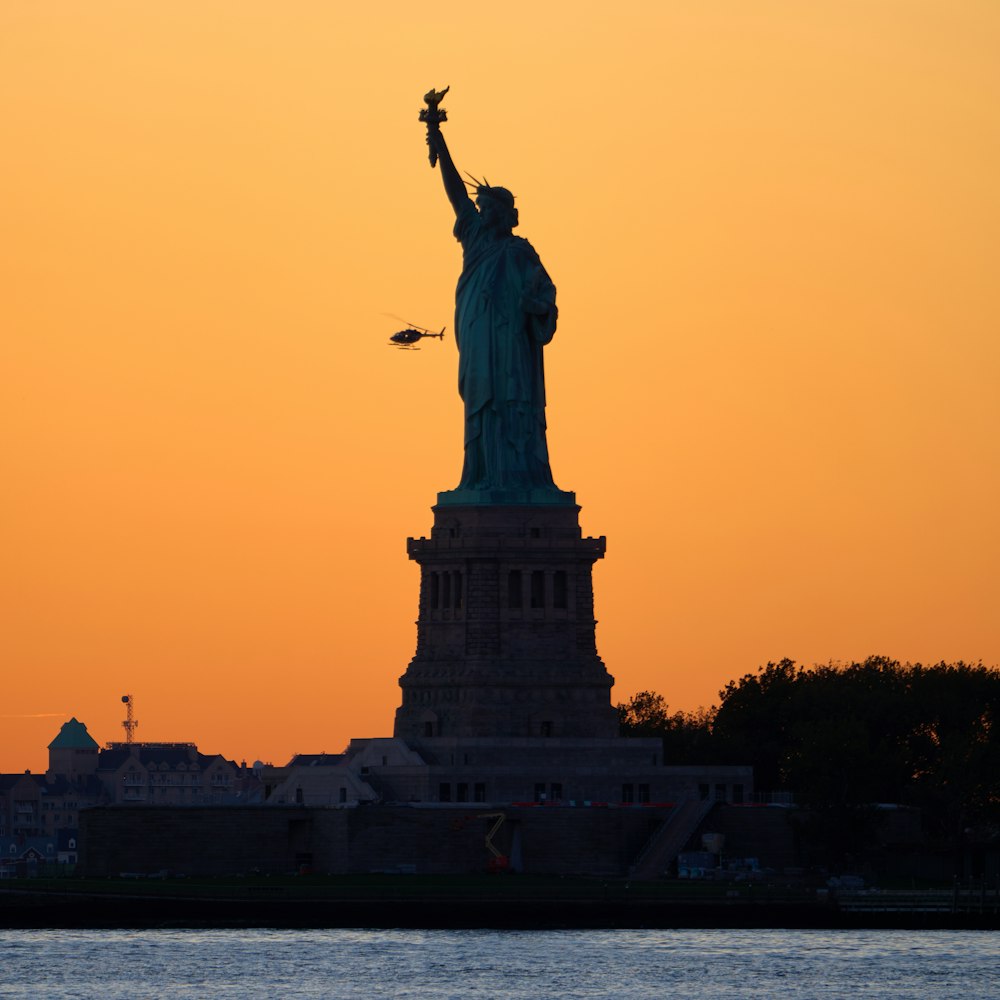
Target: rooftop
<point x="73" y="736"/>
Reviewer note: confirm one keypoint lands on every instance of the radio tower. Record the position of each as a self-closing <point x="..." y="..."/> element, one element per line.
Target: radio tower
<point x="130" y="724"/>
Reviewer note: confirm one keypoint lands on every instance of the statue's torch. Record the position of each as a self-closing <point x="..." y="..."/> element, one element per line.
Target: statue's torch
<point x="433" y="115"/>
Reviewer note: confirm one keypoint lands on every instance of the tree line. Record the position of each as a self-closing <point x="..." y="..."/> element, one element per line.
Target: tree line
<point x="842" y="737"/>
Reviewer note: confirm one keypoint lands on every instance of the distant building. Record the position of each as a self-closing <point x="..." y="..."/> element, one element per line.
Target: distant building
<point x="343" y="779"/>
<point x="74" y="751"/>
<point x="174" y="774"/>
<point x="21" y="857"/>
<point x="40" y="813"/>
<point x="20" y="805"/>
<point x="563" y="772"/>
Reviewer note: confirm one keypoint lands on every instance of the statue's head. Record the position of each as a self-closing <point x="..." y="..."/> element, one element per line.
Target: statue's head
<point x="496" y="206"/>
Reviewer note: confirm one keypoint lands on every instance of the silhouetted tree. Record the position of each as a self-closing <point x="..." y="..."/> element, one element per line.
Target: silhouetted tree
<point x="686" y="736"/>
<point x="842" y="737"/>
<point x="756" y="719"/>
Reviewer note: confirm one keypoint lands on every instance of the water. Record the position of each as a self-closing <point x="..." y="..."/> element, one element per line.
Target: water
<point x="519" y="965"/>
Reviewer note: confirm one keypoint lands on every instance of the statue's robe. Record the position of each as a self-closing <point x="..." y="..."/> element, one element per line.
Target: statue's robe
<point x="500" y="373"/>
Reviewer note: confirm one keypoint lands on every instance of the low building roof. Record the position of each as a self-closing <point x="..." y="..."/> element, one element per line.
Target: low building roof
<point x="111" y="760"/>
<point x="316" y="760"/>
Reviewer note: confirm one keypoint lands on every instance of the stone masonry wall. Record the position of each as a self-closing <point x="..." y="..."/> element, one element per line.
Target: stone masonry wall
<point x="233" y="840"/>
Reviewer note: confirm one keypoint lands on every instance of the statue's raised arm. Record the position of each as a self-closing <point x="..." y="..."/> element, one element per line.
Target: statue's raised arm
<point x="505" y="312"/>
<point x="433" y="115"/>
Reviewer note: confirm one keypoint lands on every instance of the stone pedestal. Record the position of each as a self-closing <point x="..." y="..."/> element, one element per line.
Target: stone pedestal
<point x="505" y="635"/>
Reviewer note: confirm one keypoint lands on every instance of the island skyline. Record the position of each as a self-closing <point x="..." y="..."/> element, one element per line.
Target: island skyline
<point x="773" y="389"/>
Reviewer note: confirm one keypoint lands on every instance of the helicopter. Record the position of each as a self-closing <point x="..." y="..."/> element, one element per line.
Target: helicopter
<point x="408" y="338"/>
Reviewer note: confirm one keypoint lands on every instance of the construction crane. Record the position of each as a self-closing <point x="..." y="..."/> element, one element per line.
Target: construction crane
<point x="131" y="723"/>
<point x="499" y="862"/>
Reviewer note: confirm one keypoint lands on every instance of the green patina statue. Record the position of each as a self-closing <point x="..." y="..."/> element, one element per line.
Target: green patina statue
<point x="505" y="312"/>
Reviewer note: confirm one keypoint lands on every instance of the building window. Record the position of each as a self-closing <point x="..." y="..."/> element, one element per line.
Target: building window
<point x="555" y="791"/>
<point x="462" y="792"/>
<point x="559" y="589"/>
<point x="428" y="729"/>
<point x="644" y="793"/>
<point x="298" y="796"/>
<point x="458" y="590"/>
<point x="435" y="592"/>
<point x="537" y="588"/>
<point x="703" y="792"/>
<point x="444" y="792"/>
<point x="737" y="795"/>
<point x="446" y="590"/>
<point x="540" y="792"/>
<point x="628" y="793"/>
<point x="720" y="793"/>
<point x="514" y="589"/>
<point x="479" y="791"/>
<point x="546" y="728"/>
<point x="343" y="794"/>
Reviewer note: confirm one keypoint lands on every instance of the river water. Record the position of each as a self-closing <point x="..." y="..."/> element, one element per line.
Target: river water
<point x="533" y="965"/>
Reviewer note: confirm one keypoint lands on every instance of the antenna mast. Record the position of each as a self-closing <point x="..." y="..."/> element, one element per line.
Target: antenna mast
<point x="131" y="723"/>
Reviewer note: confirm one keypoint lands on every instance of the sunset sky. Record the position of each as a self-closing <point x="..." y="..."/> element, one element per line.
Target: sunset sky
<point x="775" y="387"/>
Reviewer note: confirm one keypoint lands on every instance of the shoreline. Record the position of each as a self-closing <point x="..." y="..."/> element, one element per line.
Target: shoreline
<point x="387" y="901"/>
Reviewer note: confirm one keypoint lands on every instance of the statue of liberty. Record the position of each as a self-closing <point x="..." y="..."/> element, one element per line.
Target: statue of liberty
<point x="505" y="312"/>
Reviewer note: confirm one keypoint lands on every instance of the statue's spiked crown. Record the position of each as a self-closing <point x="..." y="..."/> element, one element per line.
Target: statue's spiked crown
<point x="484" y="189"/>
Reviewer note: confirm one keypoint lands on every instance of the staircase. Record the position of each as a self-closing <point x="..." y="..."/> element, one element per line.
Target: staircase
<point x="669" y="838"/>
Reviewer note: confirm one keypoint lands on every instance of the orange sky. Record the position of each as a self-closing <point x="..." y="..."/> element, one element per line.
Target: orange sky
<point x="773" y="226"/>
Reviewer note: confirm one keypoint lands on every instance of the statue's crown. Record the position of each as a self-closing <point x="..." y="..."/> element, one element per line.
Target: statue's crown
<point x="484" y="189"/>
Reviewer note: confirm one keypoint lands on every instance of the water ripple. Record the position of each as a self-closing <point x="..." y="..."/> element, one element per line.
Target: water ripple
<point x="515" y="965"/>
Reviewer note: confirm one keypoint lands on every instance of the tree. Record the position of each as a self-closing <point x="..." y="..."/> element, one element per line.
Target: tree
<point x="644" y="714"/>
<point x="756" y="718"/>
<point x="844" y="737"/>
<point x="686" y="736"/>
